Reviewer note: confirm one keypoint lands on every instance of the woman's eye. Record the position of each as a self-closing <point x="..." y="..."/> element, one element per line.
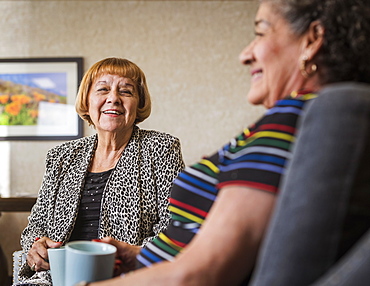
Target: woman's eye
<point x="102" y="89"/>
<point x="126" y="92"/>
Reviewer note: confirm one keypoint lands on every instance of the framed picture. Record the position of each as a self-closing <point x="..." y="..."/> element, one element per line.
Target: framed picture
<point x="37" y="98"/>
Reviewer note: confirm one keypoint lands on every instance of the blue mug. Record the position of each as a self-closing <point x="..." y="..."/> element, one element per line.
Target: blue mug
<point x="88" y="261"/>
<point x="57" y="263"/>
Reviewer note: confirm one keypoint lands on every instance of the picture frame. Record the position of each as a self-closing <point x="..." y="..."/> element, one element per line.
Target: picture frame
<point x="37" y="98"/>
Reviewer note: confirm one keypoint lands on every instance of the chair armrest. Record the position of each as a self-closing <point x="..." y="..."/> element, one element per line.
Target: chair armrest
<point x="19" y="258"/>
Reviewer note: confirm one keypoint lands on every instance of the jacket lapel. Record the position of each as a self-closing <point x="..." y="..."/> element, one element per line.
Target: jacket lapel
<point x="123" y="190"/>
<point x="72" y="179"/>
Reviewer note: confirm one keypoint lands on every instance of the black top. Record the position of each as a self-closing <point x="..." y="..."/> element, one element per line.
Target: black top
<point x="87" y="223"/>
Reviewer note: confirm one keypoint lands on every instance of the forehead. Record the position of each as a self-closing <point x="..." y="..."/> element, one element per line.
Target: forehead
<point x="112" y="78"/>
<point x="267" y="16"/>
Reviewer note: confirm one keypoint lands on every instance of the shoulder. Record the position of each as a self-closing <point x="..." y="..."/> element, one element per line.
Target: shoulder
<point x="285" y="112"/>
<point x="288" y="104"/>
<point x="155" y="137"/>
<point x="72" y="146"/>
<point x="276" y="128"/>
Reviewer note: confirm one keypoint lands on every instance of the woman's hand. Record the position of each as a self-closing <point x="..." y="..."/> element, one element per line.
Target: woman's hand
<point x="37" y="257"/>
<point x="125" y="256"/>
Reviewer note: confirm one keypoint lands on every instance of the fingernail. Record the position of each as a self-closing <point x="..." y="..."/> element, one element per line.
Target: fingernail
<point x="37" y="238"/>
<point x="97" y="240"/>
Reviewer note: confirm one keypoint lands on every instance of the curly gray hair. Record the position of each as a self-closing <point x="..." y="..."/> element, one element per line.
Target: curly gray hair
<point x="344" y="54"/>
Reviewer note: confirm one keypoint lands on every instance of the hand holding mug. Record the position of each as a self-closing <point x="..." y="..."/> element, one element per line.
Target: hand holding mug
<point x="37" y="257"/>
<point x="125" y="256"/>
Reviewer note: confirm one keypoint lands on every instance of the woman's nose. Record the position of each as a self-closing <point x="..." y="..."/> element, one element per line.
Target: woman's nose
<point x="246" y="55"/>
<point x="113" y="96"/>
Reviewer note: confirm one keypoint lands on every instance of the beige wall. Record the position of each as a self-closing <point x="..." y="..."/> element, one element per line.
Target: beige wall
<point x="187" y="49"/>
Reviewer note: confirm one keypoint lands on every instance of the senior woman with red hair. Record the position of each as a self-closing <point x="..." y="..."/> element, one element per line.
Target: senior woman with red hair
<point x="114" y="183"/>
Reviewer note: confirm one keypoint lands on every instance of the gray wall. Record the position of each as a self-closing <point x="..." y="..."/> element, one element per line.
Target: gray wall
<point x="187" y="49"/>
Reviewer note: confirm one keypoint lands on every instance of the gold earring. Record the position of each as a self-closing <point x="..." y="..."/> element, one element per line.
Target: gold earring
<point x="302" y="67"/>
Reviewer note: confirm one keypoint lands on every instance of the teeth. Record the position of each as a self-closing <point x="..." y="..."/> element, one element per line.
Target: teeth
<point x="112" y="112"/>
<point x="257" y="74"/>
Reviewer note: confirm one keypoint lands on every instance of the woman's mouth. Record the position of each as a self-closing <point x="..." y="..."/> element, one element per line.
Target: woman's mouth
<point x="256" y="74"/>
<point x="115" y="112"/>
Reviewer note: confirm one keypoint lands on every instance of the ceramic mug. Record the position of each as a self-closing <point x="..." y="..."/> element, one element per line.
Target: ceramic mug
<point x="88" y="261"/>
<point x="57" y="265"/>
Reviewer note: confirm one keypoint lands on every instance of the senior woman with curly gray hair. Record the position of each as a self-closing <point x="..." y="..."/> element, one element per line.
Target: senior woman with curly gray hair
<point x="321" y="222"/>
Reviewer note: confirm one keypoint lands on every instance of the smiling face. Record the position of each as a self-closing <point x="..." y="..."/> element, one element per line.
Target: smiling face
<point x="273" y="56"/>
<point x="113" y="103"/>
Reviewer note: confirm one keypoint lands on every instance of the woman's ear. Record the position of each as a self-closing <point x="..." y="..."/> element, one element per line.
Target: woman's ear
<point x="313" y="39"/>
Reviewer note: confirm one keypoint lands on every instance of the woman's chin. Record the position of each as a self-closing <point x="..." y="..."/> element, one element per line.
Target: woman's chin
<point x="255" y="99"/>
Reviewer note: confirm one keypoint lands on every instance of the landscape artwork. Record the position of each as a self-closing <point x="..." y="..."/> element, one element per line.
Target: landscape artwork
<point x="21" y="95"/>
<point x="37" y="98"/>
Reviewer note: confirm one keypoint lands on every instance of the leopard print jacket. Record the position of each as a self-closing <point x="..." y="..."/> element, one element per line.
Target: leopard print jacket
<point x="135" y="199"/>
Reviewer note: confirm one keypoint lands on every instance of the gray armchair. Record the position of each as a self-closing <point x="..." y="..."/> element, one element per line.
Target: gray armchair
<point x="352" y="269"/>
<point x="328" y="175"/>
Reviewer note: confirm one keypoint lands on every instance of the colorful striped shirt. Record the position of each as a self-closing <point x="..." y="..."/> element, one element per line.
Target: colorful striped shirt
<point x="256" y="158"/>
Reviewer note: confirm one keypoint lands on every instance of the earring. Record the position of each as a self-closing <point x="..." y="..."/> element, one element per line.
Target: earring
<point x="302" y="67"/>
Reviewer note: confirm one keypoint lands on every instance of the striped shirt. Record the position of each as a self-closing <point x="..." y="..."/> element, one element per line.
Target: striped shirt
<point x="256" y="158"/>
